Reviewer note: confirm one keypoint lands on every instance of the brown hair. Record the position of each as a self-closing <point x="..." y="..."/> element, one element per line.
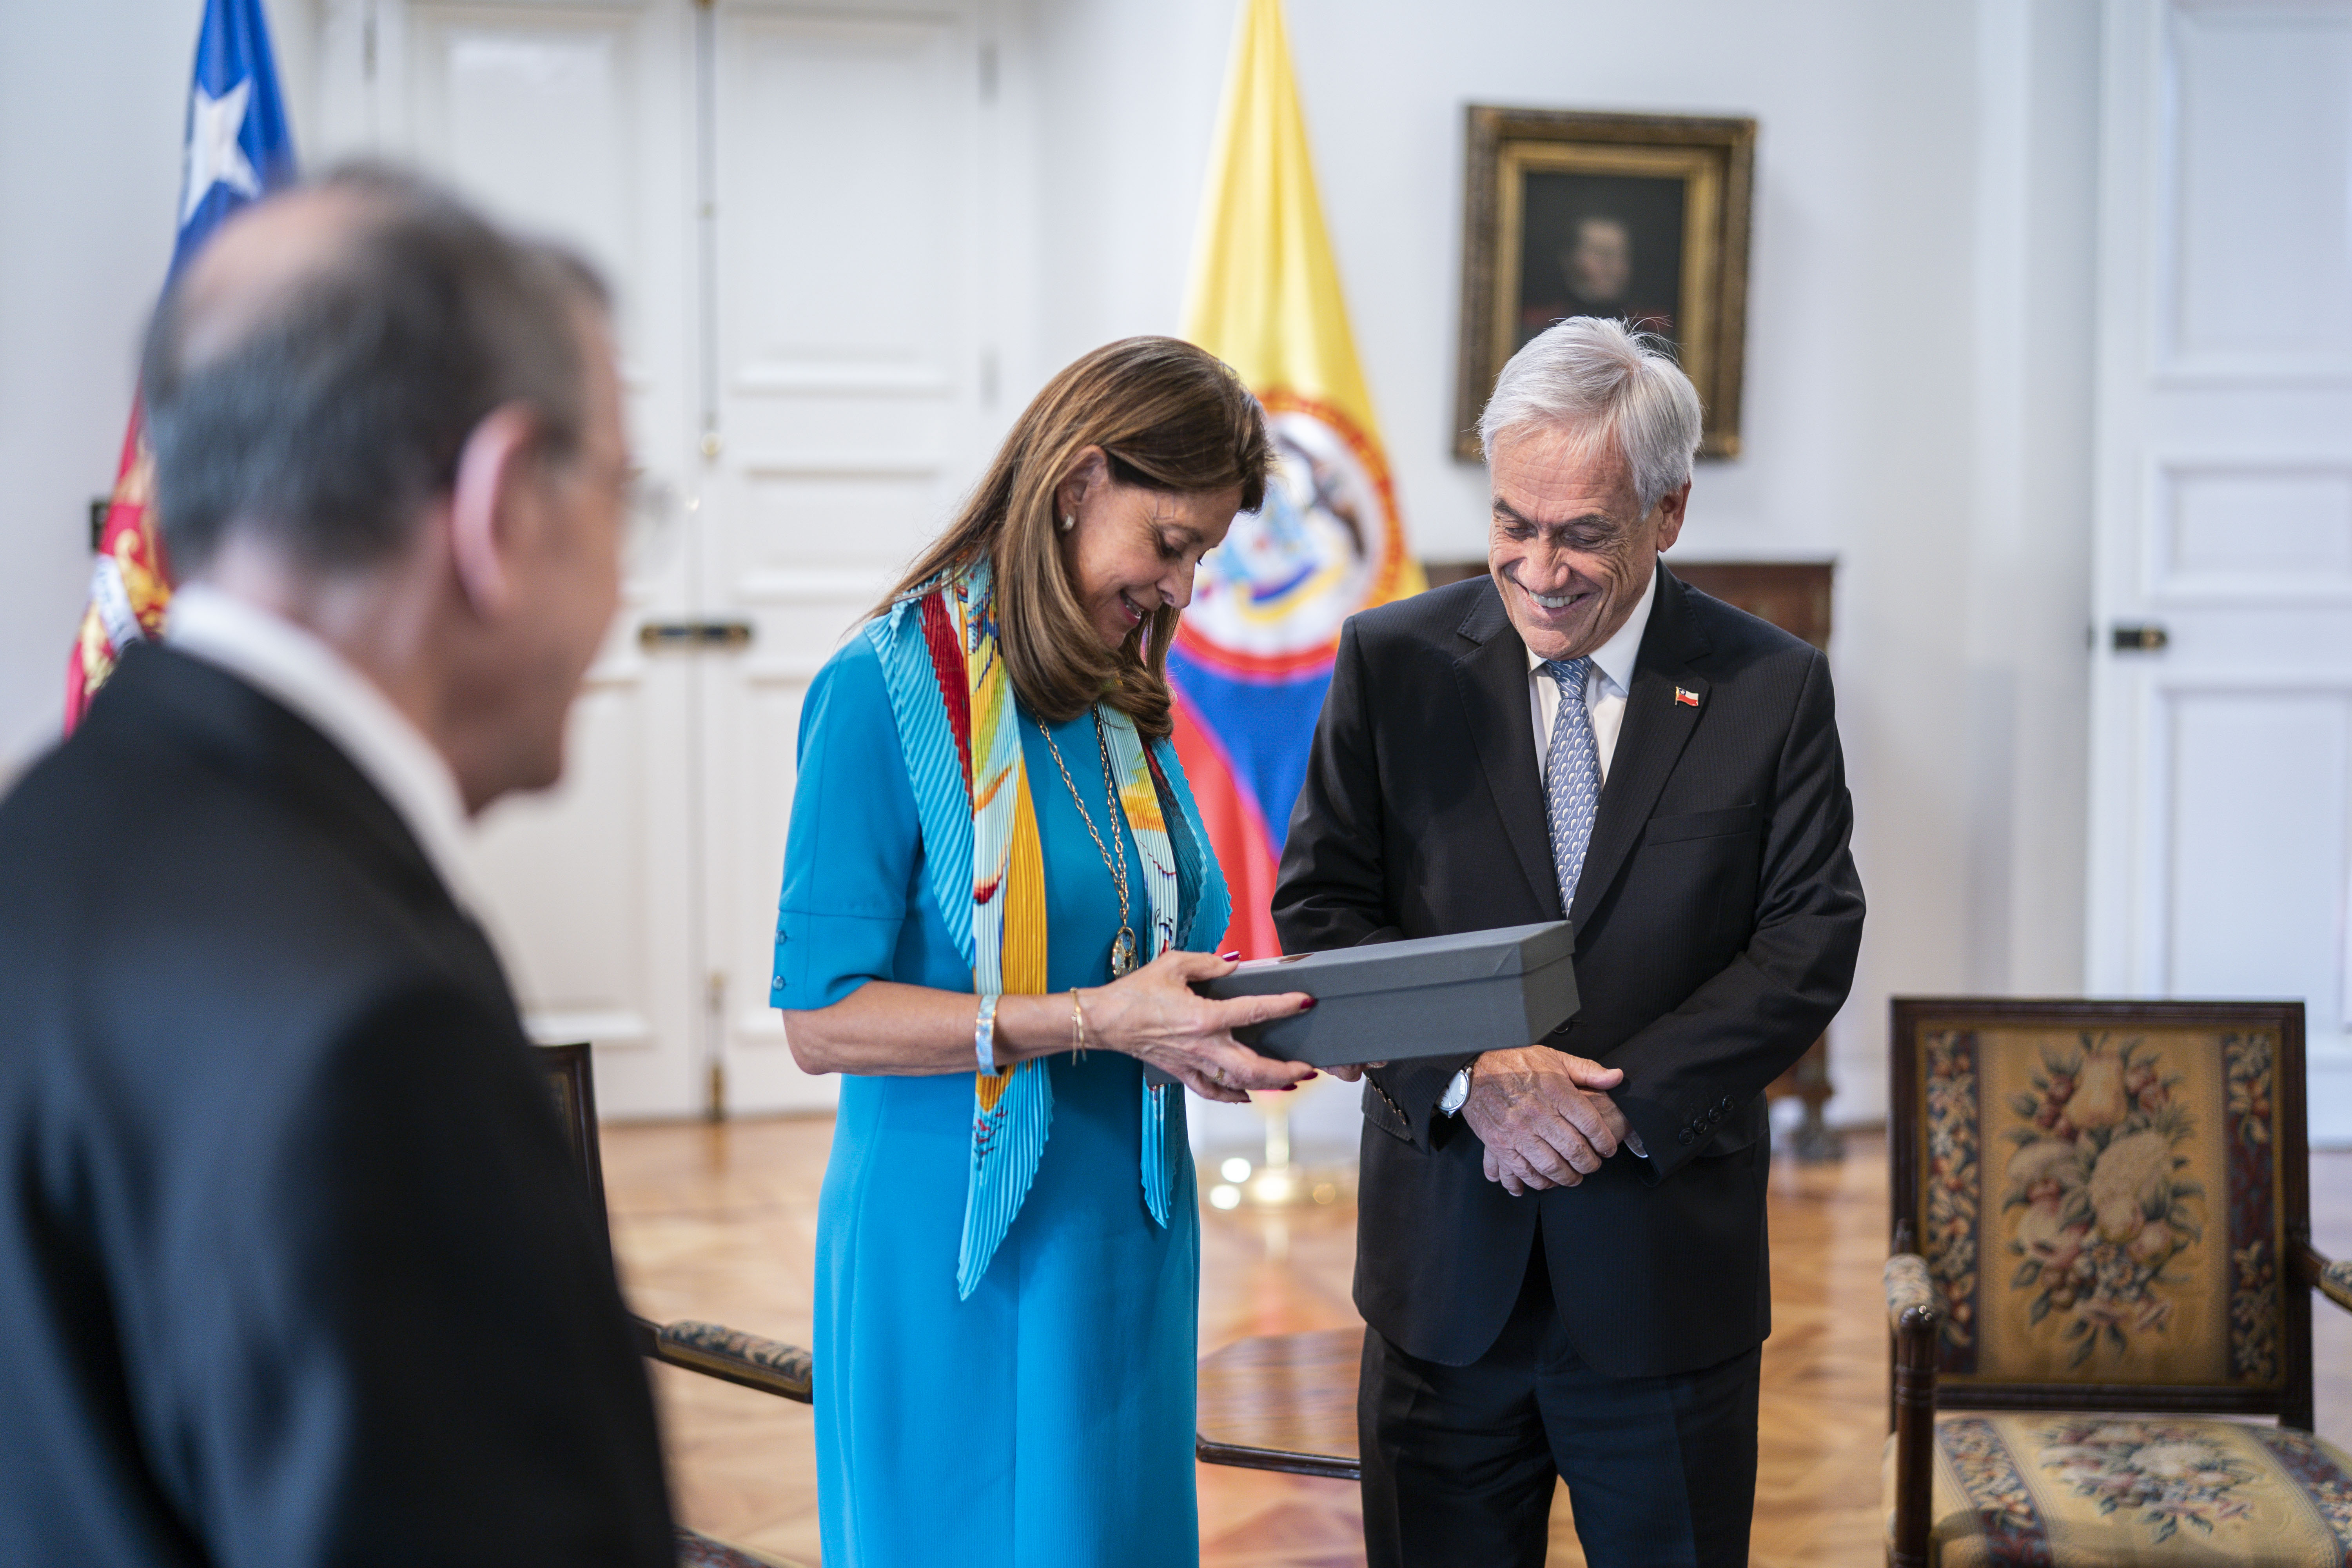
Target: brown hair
<point x="1169" y="417"/>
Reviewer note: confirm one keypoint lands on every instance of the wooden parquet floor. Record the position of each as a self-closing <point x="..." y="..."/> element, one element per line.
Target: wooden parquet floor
<point x="719" y="1222"/>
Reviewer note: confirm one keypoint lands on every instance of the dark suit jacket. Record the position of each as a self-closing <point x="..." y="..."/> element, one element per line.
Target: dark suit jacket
<point x="1716" y="920"/>
<point x="293" y="1267"/>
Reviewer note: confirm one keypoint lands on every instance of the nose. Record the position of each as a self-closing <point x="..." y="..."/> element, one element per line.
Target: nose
<point x="1547" y="569"/>
<point x="1176" y="588"/>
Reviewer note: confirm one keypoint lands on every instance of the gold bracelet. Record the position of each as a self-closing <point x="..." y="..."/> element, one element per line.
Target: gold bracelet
<point x="1077" y="1026"/>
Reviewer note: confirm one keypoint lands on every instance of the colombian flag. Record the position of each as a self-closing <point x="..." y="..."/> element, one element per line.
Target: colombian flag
<point x="1253" y="654"/>
<point x="238" y="149"/>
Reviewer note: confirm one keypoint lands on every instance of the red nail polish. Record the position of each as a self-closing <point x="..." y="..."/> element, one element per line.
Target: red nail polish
<point x="1230" y="957"/>
<point x="1308" y="1006"/>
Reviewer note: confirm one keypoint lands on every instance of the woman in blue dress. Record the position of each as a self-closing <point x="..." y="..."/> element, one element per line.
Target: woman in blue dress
<point x="996" y="891"/>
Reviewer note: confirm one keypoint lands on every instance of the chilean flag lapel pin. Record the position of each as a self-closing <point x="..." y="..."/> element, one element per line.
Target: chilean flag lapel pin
<point x="1685" y="697"/>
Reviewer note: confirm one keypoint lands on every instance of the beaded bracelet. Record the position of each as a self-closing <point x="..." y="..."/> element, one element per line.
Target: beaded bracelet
<point x="983" y="1035"/>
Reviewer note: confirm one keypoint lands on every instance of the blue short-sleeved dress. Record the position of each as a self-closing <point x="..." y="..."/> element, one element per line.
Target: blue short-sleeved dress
<point x="1048" y="1419"/>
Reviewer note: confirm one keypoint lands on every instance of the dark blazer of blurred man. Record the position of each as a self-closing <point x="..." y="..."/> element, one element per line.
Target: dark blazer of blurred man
<point x="1561" y="1247"/>
<point x="293" y="1267"/>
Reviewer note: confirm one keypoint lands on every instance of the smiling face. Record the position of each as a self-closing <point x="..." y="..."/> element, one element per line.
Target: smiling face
<point x="1568" y="551"/>
<point x="1129" y="549"/>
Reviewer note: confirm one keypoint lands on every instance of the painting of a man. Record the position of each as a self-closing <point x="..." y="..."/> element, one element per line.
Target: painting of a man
<point x="1600" y="245"/>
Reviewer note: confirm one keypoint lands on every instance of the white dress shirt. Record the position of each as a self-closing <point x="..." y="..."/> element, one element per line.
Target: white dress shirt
<point x="302" y="672"/>
<point x="1607" y="684"/>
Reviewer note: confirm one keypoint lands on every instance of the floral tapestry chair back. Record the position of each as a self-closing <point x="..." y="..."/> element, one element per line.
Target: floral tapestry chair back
<point x="2101" y="1254"/>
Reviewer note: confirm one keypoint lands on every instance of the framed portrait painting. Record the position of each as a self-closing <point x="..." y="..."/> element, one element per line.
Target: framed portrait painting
<point x="1640" y="216"/>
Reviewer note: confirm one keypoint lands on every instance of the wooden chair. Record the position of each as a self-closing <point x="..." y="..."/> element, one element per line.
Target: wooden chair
<point x="711" y="1349"/>
<point x="2101" y="1253"/>
<point x="1283" y="1402"/>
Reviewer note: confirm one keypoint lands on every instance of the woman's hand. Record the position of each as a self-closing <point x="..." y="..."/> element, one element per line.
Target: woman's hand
<point x="1154" y="1015"/>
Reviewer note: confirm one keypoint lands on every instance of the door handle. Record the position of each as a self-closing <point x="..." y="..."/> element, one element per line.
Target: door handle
<point x="2140" y="640"/>
<point x="656" y="635"/>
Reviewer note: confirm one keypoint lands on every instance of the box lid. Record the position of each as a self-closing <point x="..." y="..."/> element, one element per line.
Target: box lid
<point x="1503" y="953"/>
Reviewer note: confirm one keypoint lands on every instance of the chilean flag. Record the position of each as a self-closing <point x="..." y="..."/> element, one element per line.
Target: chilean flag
<point x="236" y="148"/>
<point x="1253" y="654"/>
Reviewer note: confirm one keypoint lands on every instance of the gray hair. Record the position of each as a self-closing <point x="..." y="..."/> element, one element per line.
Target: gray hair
<point x="328" y="423"/>
<point x="1600" y="377"/>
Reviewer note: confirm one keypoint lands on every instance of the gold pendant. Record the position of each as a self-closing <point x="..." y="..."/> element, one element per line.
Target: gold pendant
<point x="1122" y="953"/>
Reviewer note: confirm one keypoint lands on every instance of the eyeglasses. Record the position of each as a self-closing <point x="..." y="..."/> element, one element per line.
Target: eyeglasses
<point x="652" y="510"/>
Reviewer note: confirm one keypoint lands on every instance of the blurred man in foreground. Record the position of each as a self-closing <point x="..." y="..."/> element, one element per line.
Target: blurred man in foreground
<point x="293" y="1269"/>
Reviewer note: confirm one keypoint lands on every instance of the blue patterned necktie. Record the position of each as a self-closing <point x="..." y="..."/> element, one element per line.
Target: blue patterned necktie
<point x="1572" y="777"/>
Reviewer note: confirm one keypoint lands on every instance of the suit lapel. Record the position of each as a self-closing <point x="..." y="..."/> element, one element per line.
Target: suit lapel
<point x="1661" y="712"/>
<point x="1492" y="674"/>
<point x="161" y="696"/>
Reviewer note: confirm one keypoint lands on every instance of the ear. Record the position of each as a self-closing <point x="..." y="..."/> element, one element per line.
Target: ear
<point x="1089" y="474"/>
<point x="491" y="469"/>
<point x="1671" y="507"/>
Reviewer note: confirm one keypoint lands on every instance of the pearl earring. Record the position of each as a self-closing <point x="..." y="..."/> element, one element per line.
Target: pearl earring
<point x="1069" y="522"/>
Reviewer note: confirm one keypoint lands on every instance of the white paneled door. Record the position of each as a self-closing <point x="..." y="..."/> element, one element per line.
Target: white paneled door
<point x="2221" y="782"/>
<point x="790" y="202"/>
<point x="852" y="305"/>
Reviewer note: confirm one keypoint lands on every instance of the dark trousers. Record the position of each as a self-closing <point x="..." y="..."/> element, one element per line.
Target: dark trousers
<point x="1459" y="1460"/>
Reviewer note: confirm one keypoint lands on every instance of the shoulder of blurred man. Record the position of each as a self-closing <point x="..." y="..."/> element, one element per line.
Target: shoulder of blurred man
<point x="201" y="897"/>
<point x="189" y="801"/>
<point x="267" y="1081"/>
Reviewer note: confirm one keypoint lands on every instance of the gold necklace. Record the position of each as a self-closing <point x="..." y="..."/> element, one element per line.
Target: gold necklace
<point x="1122" y="947"/>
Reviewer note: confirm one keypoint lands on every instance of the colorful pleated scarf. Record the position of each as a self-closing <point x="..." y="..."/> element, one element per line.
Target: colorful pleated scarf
<point x="959" y="727"/>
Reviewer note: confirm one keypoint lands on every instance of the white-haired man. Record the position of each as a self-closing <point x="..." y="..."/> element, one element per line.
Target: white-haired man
<point x="1561" y="1256"/>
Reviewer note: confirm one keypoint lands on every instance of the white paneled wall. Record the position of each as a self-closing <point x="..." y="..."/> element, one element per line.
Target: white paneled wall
<point x="2221" y="785"/>
<point x="2251" y="229"/>
<point x="791" y="204"/>
<point x="857" y="308"/>
<point x="920" y="210"/>
<point x="577" y="122"/>
<point x="1917" y="401"/>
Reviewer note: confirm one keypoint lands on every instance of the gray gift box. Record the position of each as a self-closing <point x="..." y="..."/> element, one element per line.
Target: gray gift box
<point x="1430" y="996"/>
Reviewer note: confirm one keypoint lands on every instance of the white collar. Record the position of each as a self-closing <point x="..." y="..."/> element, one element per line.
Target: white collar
<point x="1615" y="658"/>
<point x="301" y="671"/>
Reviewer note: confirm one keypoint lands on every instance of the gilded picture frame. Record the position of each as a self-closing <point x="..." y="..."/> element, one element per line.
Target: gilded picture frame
<point x="1643" y="216"/>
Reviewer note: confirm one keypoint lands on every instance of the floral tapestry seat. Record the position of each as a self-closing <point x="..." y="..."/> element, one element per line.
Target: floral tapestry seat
<point x="2123" y="1490"/>
<point x="2100" y="1294"/>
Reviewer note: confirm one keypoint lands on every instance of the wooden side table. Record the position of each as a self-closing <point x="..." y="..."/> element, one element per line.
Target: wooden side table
<point x="1794" y="596"/>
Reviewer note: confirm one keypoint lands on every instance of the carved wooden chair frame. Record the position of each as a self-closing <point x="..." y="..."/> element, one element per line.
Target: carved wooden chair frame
<point x="712" y="1350"/>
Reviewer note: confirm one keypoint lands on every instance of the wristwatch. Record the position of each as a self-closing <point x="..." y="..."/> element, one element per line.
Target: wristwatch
<point x="1456" y="1092"/>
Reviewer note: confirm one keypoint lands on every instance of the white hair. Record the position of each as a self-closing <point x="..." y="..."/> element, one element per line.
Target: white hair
<point x="1600" y="377"/>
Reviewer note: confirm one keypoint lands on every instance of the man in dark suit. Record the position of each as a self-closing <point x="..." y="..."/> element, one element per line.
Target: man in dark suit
<point x="1578" y="735"/>
<point x="293" y="1267"/>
